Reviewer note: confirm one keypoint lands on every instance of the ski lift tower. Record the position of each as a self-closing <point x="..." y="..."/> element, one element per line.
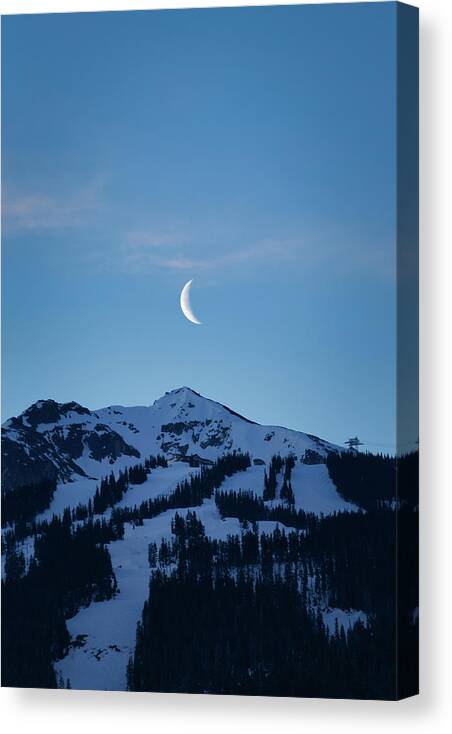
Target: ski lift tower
<point x="353" y="443"/>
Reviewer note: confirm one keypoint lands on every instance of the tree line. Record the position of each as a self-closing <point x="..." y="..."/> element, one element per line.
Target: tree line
<point x="271" y="479"/>
<point x="248" y="507"/>
<point x="370" y="480"/>
<point x="191" y="492"/>
<point x="112" y="488"/>
<point x="23" y="503"/>
<point x="251" y="622"/>
<point x="70" y="568"/>
<point x="270" y="586"/>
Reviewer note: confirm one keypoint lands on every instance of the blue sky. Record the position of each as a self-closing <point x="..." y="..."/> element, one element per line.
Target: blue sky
<point x="252" y="150"/>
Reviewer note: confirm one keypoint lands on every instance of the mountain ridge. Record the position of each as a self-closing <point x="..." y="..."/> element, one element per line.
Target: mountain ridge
<point x="60" y="441"/>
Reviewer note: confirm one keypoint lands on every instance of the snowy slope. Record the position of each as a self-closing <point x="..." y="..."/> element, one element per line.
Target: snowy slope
<point x="184" y="422"/>
<point x="67" y="441"/>
<point x="315" y="492"/>
<point x="77" y="447"/>
<point x="104" y="632"/>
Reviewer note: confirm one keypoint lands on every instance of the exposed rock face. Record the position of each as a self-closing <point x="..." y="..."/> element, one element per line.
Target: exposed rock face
<point x="102" y="442"/>
<point x="28" y="458"/>
<point x="42" y="443"/>
<point x="48" y="411"/>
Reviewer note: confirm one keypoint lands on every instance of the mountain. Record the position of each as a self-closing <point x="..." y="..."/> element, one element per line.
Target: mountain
<point x="108" y="515"/>
<point x="66" y="441"/>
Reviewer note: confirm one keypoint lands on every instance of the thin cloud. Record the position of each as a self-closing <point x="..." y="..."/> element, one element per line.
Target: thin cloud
<point x="31" y="211"/>
<point x="145" y="252"/>
<point x="141" y="250"/>
<point x="140" y="239"/>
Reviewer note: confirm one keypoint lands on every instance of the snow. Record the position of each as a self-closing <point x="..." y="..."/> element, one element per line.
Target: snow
<point x="110" y="626"/>
<point x="315" y="492"/>
<point x="26" y="546"/>
<point x="161" y="481"/>
<point x="311" y="483"/>
<point x="96" y="469"/>
<point x="210" y="429"/>
<point x="186" y="406"/>
<point x="250" y="480"/>
<point x="69" y="494"/>
<point x="347" y="618"/>
<point x="106" y="630"/>
<point x="269" y="526"/>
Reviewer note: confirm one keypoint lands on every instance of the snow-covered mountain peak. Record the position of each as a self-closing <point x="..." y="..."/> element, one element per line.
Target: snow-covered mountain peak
<point x="61" y="440"/>
<point x="184" y="403"/>
<point x="179" y="400"/>
<point x="46" y="412"/>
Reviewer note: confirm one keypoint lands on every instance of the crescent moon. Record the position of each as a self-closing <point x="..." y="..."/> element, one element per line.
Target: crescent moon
<point x="185" y="303"/>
